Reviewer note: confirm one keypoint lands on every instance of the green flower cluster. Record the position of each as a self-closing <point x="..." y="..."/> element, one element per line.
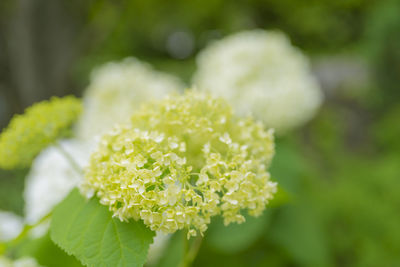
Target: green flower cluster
<point x="40" y="125"/>
<point x="181" y="161"/>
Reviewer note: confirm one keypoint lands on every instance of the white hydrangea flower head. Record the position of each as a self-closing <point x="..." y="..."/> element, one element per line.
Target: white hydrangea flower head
<point x="10" y="225"/>
<point x="52" y="177"/>
<point x="117" y="89"/>
<point x="260" y="72"/>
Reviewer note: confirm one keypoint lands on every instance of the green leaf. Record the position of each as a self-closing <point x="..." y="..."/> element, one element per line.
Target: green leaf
<point x="46" y="253"/>
<point x="236" y="237"/>
<point x="87" y="230"/>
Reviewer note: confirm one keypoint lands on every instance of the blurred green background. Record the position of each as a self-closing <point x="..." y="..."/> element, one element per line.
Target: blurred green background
<point x="340" y="172"/>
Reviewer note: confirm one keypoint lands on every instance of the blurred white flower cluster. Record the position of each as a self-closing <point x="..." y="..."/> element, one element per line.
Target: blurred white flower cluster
<point x="52" y="177"/>
<point x="260" y="72"/>
<point x="10" y="225"/>
<point x="117" y="89"/>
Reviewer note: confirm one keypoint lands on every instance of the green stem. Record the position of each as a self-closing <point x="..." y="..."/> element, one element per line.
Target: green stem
<point x="194" y="250"/>
<point x="69" y="158"/>
<point x="190" y="251"/>
<point x="25" y="231"/>
<point x="185" y="248"/>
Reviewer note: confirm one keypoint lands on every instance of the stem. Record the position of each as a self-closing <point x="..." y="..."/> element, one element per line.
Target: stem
<point x="190" y="251"/>
<point x="25" y="231"/>
<point x="194" y="250"/>
<point x="68" y="157"/>
<point x="185" y="248"/>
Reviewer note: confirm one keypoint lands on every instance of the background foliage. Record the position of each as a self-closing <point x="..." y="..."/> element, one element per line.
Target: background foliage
<point x="340" y="171"/>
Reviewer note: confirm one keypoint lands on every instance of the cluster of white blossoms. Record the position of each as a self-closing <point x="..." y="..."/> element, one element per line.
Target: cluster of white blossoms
<point x="10" y="225"/>
<point x="52" y="177"/>
<point x="181" y="161"/>
<point x="117" y="89"/>
<point x="260" y="72"/>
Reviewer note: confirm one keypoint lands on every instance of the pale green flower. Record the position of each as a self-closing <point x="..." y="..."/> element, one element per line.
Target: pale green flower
<point x="40" y="125"/>
<point x="181" y="161"/>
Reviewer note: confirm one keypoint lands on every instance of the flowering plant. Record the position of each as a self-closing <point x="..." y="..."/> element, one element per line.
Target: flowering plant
<point x="181" y="161"/>
<point x="174" y="165"/>
<point x="160" y="166"/>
